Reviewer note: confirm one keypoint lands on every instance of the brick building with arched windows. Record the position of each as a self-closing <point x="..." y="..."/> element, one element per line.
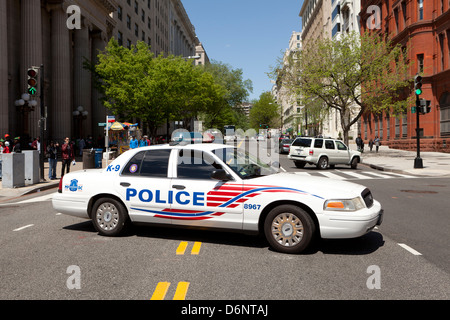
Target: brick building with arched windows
<point x="424" y="27"/>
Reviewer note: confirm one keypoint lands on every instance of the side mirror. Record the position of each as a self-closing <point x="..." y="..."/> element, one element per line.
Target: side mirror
<point x="220" y="174"/>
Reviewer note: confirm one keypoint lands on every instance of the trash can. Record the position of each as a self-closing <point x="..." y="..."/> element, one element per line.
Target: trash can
<point x="88" y="159"/>
<point x="98" y="158"/>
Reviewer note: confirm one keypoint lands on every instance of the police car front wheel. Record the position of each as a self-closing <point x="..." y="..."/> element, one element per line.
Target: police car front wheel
<point x="289" y="229"/>
<point x="109" y="216"/>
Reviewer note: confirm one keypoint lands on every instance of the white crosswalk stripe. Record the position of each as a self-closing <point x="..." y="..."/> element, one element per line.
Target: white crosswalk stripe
<point x="353" y="175"/>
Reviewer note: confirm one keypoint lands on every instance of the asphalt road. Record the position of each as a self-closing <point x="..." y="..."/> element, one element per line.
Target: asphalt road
<point x="50" y="256"/>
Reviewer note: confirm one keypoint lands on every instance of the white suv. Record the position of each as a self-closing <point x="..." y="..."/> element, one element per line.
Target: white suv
<point x="322" y="152"/>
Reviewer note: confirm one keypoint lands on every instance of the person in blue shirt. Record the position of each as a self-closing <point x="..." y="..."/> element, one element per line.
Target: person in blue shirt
<point x="142" y="142"/>
<point x="134" y="143"/>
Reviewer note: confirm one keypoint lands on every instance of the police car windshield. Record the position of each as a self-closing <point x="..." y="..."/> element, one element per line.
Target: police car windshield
<point x="246" y="165"/>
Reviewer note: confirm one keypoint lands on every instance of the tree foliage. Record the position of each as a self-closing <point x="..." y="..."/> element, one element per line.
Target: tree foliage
<point x="353" y="74"/>
<point x="136" y="84"/>
<point x="265" y="111"/>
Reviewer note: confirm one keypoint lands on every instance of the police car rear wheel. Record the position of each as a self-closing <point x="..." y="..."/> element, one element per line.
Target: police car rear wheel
<point x="289" y="229"/>
<point x="109" y="217"/>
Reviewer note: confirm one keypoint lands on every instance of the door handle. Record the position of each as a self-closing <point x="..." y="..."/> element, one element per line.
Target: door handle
<point x="179" y="187"/>
<point x="125" y="184"/>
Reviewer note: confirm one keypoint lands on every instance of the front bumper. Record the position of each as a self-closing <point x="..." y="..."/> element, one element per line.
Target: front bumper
<point x="350" y="225"/>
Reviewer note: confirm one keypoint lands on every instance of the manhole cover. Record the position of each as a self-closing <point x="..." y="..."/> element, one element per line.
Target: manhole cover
<point x="418" y="191"/>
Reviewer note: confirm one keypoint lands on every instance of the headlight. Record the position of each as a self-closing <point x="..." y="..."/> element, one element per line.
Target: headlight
<point x="344" y="204"/>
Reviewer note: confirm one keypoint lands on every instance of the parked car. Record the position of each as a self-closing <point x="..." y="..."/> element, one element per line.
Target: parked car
<point x="284" y="145"/>
<point x="322" y="152"/>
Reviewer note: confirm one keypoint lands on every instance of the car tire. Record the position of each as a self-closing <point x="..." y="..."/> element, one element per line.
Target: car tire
<point x="300" y="164"/>
<point x="289" y="229"/>
<point x="109" y="216"/>
<point x="354" y="163"/>
<point x="323" y="163"/>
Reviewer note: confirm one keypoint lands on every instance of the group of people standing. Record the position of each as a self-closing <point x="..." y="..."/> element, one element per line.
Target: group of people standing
<point x="360" y="143"/>
<point x="143" y="142"/>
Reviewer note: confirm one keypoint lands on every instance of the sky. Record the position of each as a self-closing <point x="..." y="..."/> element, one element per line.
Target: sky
<point x="246" y="34"/>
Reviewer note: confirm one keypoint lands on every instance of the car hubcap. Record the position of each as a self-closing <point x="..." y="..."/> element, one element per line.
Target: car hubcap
<point x="287" y="229"/>
<point x="107" y="216"/>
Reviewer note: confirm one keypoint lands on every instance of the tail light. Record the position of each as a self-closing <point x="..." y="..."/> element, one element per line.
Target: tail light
<point x="60" y="185"/>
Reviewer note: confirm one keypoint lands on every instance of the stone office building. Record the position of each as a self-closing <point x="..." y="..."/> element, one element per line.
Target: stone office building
<point x="59" y="35"/>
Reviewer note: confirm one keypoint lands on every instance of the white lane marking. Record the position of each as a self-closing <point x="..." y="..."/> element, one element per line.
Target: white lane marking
<point x="37" y="199"/>
<point x="355" y="175"/>
<point x="24" y="227"/>
<point x="411" y="250"/>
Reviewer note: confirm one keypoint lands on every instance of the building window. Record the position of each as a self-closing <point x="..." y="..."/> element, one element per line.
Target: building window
<point x="420" y="9"/>
<point x="420" y="63"/>
<point x="404" y="13"/>
<point x="128" y="43"/>
<point x="128" y="22"/>
<point x="143" y="15"/>
<point x="404" y="126"/>
<point x="396" y="19"/>
<point x="444" y="103"/>
<point x="441" y="45"/>
<point x="136" y="7"/>
<point x="119" y="13"/>
<point x="120" y="38"/>
<point x="136" y="30"/>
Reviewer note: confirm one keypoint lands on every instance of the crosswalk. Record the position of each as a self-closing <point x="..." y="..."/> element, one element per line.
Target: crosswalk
<point x="355" y="175"/>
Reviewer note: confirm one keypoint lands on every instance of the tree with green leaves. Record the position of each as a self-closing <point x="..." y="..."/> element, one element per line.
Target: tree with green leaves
<point x="235" y="92"/>
<point x="352" y="74"/>
<point x="136" y="84"/>
<point x="265" y="111"/>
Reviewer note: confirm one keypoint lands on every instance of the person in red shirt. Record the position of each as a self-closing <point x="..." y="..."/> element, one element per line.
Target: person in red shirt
<point x="6" y="147"/>
<point x="68" y="155"/>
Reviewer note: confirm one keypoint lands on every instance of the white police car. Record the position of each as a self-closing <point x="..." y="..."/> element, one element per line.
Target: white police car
<point x="217" y="186"/>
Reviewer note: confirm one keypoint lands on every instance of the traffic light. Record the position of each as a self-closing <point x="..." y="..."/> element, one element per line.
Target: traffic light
<point x="418" y="85"/>
<point x="424" y="107"/>
<point x="32" y="80"/>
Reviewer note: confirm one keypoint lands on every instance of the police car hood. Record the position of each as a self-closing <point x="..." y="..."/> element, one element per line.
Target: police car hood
<point x="323" y="187"/>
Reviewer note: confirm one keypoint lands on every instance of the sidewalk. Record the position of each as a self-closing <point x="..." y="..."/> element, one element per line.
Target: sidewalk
<point x="435" y="164"/>
<point x="11" y="193"/>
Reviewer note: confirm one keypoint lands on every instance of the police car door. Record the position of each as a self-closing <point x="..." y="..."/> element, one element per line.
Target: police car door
<point x="200" y="200"/>
<point x="144" y="185"/>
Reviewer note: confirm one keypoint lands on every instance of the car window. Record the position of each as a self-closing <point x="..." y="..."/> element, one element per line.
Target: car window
<point x="340" y="145"/>
<point x="318" y="143"/>
<point x="134" y="165"/>
<point x="155" y="163"/>
<point x="194" y="164"/>
<point x="302" y="142"/>
<point x="151" y="163"/>
<point x="329" y="144"/>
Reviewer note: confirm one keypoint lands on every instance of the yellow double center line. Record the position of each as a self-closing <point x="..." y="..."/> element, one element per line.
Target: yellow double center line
<point x="183" y="246"/>
<point x="162" y="288"/>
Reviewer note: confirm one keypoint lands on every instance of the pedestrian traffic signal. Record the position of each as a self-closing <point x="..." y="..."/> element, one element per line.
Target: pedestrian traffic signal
<point x="418" y="85"/>
<point x="425" y="106"/>
<point x="32" y="82"/>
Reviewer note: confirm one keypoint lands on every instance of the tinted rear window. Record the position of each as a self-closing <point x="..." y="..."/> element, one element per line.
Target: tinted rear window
<point x="302" y="142"/>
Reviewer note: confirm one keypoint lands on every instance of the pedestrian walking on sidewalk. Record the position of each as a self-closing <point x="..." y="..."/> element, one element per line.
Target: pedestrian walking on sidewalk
<point x="68" y="155"/>
<point x="370" y="144"/>
<point x="359" y="142"/>
<point x="52" y="155"/>
<point x="377" y="143"/>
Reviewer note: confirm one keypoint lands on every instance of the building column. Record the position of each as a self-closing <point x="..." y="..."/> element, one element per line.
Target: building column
<point x="60" y="111"/>
<point x="31" y="53"/>
<point x="99" y="112"/>
<point x="82" y="77"/>
<point x="4" y="105"/>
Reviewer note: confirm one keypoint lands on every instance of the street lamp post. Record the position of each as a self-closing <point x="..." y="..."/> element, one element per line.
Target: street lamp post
<point x="26" y="106"/>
